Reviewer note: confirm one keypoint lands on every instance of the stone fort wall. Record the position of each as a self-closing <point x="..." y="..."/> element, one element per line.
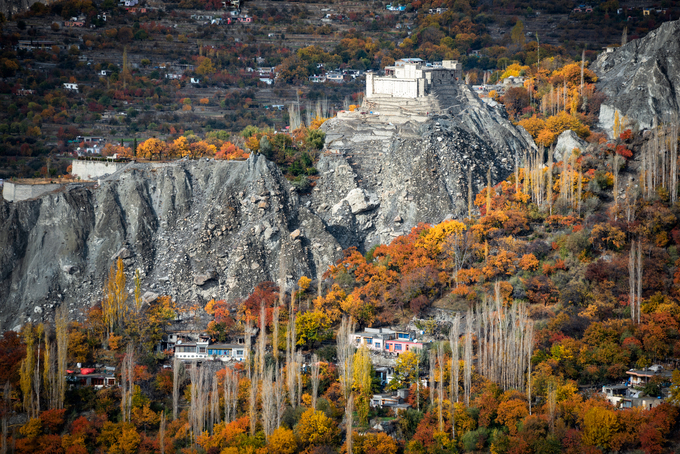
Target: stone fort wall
<point x="16" y="192"/>
<point x="91" y="170"/>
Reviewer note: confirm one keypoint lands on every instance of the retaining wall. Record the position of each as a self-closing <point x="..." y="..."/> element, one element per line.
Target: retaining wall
<point x="92" y="170"/>
<point x="15" y="192"/>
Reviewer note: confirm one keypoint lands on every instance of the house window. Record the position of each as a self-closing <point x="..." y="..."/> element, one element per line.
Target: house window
<point x="397" y="347"/>
<point x="201" y="349"/>
<point x="402" y="336"/>
<point x="377" y="345"/>
<point x="387" y="346"/>
<point x="210" y="352"/>
<point x="239" y="352"/>
<point x="369" y="341"/>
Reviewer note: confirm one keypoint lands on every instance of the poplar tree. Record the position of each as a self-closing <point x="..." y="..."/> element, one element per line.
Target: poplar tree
<point x="26" y="371"/>
<point x="468" y="356"/>
<point x="315" y="379"/>
<point x="127" y="383"/>
<point x="61" y="328"/>
<point x="161" y="433"/>
<point x="269" y="409"/>
<point x="363" y="382"/>
<point x="349" y="418"/>
<point x="177" y="377"/>
<point x="345" y="352"/>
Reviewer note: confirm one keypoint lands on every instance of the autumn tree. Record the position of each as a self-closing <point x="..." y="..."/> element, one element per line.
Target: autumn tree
<point x="406" y="371"/>
<point x="316" y="429"/>
<point x="282" y="441"/>
<point x="114" y="305"/>
<point x="363" y="382"/>
<point x="152" y="149"/>
<point x="599" y="426"/>
<point x="312" y="327"/>
<point x="374" y="443"/>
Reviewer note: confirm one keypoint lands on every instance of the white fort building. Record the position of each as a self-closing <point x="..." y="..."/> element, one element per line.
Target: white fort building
<point x="411" y="89"/>
<point x="410" y="78"/>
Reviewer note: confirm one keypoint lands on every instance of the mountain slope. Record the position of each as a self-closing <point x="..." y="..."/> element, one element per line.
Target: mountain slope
<point x="642" y="79"/>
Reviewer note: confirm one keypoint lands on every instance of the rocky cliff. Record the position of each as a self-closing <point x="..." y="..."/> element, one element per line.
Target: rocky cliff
<point x="641" y="79"/>
<point x="196" y="230"/>
<point x="9" y="7"/>
<point x="212" y="229"/>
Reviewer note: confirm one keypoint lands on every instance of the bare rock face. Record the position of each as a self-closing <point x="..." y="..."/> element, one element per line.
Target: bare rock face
<point x="566" y="143"/>
<point x="641" y="79"/>
<point x="380" y="179"/>
<point x="198" y="230"/>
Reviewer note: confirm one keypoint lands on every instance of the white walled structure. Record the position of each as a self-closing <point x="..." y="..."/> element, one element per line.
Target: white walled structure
<point x="18" y="191"/>
<point x="408" y="79"/>
<point x="91" y="170"/>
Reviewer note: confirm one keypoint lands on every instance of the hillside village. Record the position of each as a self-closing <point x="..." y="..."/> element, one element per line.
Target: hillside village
<point x="289" y="227"/>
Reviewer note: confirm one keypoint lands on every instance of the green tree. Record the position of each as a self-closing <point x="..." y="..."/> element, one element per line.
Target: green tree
<point x="517" y="33"/>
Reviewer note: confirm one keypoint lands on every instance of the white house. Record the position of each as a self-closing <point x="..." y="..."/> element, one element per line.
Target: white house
<point x="203" y="350"/>
<point x="386" y="340"/>
<point x="71" y="86"/>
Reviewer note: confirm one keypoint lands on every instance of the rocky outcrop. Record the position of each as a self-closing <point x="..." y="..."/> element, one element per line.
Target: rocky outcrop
<point x="566" y="143"/>
<point x="207" y="229"/>
<point x="10" y="7"/>
<point x="381" y="178"/>
<point x="196" y="230"/>
<point x="641" y="79"/>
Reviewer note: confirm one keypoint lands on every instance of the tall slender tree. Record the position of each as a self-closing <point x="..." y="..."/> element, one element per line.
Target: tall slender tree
<point x="315" y="379"/>
<point x="177" y="378"/>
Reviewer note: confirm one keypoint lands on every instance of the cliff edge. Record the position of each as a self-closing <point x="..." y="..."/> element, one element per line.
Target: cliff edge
<point x="641" y="79"/>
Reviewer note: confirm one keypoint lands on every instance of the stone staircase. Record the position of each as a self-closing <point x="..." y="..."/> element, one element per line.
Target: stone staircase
<point x="388" y="105"/>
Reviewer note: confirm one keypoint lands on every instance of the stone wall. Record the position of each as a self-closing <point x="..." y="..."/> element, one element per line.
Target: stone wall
<point x="91" y="170"/>
<point x="15" y="192"/>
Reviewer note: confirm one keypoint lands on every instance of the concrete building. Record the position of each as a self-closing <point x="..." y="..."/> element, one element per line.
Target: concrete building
<point x="386" y="340"/>
<point x="642" y="377"/>
<point x="203" y="350"/>
<point x="395" y="400"/>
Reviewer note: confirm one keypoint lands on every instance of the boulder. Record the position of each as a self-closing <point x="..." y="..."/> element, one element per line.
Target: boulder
<point x="149" y="297"/>
<point x="359" y="202"/>
<point x="69" y="269"/>
<point x="566" y="142"/>
<point x="202" y="278"/>
<point x="123" y="253"/>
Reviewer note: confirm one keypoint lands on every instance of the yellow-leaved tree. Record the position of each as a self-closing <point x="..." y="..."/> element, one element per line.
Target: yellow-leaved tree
<point x="599" y="426"/>
<point x="114" y="305"/>
<point x="437" y="235"/>
<point x="363" y="381"/>
<point x="152" y="149"/>
<point x="316" y="429"/>
<point x="406" y="371"/>
<point x="180" y="147"/>
<point x="563" y="121"/>
<point x="533" y="125"/>
<point x="282" y="441"/>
